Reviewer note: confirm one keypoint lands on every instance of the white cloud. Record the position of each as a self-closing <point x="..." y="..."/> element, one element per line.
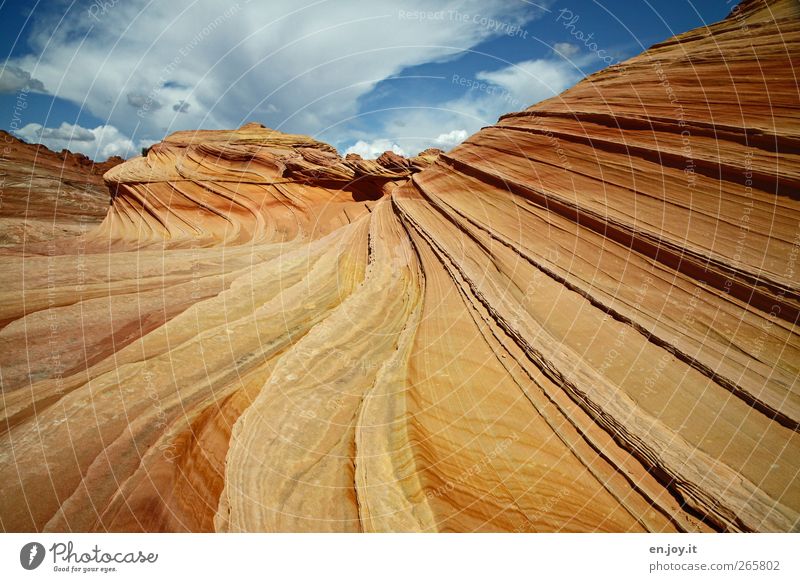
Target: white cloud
<point x="453" y="138"/>
<point x="566" y="49"/>
<point x="296" y="65"/>
<point x="373" y="149"/>
<point x="99" y="143"/>
<point x="65" y="131"/>
<point x="511" y="88"/>
<point x="532" y="81"/>
<point x="12" y="79"/>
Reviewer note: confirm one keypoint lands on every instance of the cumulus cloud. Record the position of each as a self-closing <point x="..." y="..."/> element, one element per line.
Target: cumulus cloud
<point x="373" y="149"/>
<point x="566" y="49"/>
<point x="181" y="106"/>
<point x="98" y="143"/>
<point x="301" y="65"/>
<point x="12" y="79"/>
<point x="450" y="139"/>
<point x="65" y="131"/>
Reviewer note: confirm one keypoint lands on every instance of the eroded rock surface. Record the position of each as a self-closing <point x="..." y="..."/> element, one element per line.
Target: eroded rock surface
<point x="584" y="318"/>
<point x="47" y="195"/>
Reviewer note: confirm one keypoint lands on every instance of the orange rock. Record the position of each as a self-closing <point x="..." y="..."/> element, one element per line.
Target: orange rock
<point x="47" y="194"/>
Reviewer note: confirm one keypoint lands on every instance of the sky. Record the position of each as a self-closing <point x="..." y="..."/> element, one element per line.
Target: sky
<point x="109" y="77"/>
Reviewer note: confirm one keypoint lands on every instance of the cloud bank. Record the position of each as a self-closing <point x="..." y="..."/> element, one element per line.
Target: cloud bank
<point x="98" y="143"/>
<point x="147" y="69"/>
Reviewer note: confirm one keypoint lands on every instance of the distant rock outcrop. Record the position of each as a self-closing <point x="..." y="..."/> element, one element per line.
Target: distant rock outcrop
<point x="47" y="195"/>
<point x="584" y="318"/>
<point x="252" y="184"/>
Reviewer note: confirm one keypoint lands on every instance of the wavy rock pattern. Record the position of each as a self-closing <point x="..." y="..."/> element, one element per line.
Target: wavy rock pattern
<point x="584" y="318"/>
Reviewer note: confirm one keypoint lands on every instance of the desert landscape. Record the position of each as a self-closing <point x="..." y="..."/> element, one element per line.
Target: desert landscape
<point x="583" y="318"/>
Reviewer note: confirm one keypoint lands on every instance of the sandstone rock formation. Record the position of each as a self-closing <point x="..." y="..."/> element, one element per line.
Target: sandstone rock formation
<point x="46" y="195"/>
<point x="584" y="318"/>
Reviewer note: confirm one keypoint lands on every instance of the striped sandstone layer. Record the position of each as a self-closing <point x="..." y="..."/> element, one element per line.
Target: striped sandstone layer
<point x="47" y="195"/>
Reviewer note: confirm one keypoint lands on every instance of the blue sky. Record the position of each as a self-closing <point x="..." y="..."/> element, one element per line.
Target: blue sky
<point x="107" y="77"/>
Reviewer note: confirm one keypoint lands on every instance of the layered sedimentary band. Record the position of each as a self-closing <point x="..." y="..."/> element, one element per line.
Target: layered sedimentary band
<point x="584" y="318"/>
<point x="48" y="195"/>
